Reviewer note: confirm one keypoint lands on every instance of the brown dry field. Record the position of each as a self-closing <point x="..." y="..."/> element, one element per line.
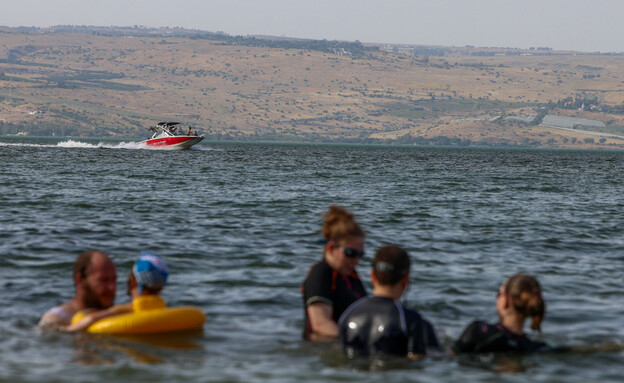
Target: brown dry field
<point x="249" y="92"/>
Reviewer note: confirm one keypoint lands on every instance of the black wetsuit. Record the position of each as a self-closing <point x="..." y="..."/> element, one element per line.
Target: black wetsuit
<point x="324" y="284"/>
<point x="382" y="326"/>
<point x="484" y="337"/>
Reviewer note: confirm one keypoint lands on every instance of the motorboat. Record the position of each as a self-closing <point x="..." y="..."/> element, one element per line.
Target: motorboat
<point x="173" y="136"/>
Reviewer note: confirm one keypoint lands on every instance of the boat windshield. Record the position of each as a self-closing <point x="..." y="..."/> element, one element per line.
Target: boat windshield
<point x="171" y="129"/>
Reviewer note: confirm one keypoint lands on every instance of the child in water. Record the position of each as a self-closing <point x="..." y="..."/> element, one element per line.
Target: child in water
<point x="380" y="325"/>
<point x="146" y="280"/>
<point x="519" y="298"/>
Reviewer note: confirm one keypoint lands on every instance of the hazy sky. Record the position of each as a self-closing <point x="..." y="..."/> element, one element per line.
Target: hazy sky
<point x="583" y="25"/>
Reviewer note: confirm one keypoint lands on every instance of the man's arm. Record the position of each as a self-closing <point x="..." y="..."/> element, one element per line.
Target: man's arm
<point x="88" y="320"/>
<point x="467" y="342"/>
<point x="93" y="317"/>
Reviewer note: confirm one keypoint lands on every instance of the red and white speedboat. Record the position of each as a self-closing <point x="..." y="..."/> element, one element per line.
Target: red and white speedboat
<point x="172" y="135"/>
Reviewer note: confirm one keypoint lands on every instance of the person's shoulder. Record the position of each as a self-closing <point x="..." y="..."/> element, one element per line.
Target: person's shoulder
<point x="414" y="318"/>
<point x="481" y="327"/>
<point x="362" y="303"/>
<point x="361" y="306"/>
<point x="375" y="304"/>
<point x="411" y="313"/>
<point x="50" y="319"/>
<point x="319" y="270"/>
<point x="321" y="266"/>
<point x="317" y="287"/>
<point x="478" y="328"/>
<point x="55" y="317"/>
<point x="471" y="337"/>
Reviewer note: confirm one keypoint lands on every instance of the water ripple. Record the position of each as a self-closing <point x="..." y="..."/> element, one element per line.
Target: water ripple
<point x="239" y="226"/>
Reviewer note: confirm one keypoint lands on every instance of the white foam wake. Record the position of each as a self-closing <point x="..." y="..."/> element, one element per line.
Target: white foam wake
<point x="87" y="145"/>
<point x="120" y="145"/>
<point x="81" y="144"/>
<point x="26" y="145"/>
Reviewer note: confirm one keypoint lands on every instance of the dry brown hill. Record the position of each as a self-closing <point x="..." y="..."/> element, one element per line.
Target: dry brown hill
<point x="96" y="85"/>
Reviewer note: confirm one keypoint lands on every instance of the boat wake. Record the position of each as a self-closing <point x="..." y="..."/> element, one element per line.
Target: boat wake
<point x="86" y="145"/>
<point x="200" y="148"/>
<point x="26" y="145"/>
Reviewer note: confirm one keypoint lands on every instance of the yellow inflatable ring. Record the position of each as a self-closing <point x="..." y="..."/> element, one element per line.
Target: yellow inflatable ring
<point x="151" y="321"/>
<point x="150" y="316"/>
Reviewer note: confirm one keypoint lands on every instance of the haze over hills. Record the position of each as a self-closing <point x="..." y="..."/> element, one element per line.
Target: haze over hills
<point x="113" y="81"/>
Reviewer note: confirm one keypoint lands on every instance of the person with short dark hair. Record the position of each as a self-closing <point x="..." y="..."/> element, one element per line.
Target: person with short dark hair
<point x="333" y="283"/>
<point x="518" y="298"/>
<point x="380" y="325"/>
<point x="95" y="279"/>
<point x="146" y="280"/>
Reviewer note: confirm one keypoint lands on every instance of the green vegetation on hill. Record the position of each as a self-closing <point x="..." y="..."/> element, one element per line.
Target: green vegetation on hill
<point x="429" y="108"/>
<point x="353" y="49"/>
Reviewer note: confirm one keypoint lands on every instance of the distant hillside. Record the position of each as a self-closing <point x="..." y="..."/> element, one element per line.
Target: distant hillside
<point x="117" y="81"/>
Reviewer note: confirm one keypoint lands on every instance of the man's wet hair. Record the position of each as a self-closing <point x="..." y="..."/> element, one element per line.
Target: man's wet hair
<point x="82" y="263"/>
<point x="390" y="265"/>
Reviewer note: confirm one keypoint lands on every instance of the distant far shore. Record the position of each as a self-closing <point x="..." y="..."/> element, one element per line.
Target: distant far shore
<point x="89" y="81"/>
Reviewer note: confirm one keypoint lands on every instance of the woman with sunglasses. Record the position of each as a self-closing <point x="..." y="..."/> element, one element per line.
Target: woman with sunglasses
<point x="333" y="284"/>
<point x="519" y="298"/>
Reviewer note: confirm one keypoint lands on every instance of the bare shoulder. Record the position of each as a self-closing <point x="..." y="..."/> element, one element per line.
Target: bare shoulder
<point x="56" y="317"/>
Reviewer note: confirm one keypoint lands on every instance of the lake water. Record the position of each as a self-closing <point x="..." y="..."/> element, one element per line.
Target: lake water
<point x="238" y="225"/>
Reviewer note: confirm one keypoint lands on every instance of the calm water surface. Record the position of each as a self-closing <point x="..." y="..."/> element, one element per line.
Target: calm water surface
<point x="239" y="226"/>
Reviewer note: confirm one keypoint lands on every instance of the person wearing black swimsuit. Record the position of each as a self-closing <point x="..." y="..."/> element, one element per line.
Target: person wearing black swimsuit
<point x="333" y="284"/>
<point x="380" y="325"/>
<point x="518" y="298"/>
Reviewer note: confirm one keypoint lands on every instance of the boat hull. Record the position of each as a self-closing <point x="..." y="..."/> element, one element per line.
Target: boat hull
<point x="173" y="143"/>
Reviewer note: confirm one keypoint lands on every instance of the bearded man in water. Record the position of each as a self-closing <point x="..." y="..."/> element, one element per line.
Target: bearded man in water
<point x="95" y="279"/>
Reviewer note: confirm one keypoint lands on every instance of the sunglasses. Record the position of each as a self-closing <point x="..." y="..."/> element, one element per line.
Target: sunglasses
<point x="352" y="253"/>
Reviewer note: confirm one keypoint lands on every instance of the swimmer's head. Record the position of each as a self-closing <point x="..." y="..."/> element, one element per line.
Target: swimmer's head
<point x="525" y="295"/>
<point x="150" y="273"/>
<point x="390" y="265"/>
<point x="340" y="225"/>
<point x="344" y="240"/>
<point x="95" y="279"/>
